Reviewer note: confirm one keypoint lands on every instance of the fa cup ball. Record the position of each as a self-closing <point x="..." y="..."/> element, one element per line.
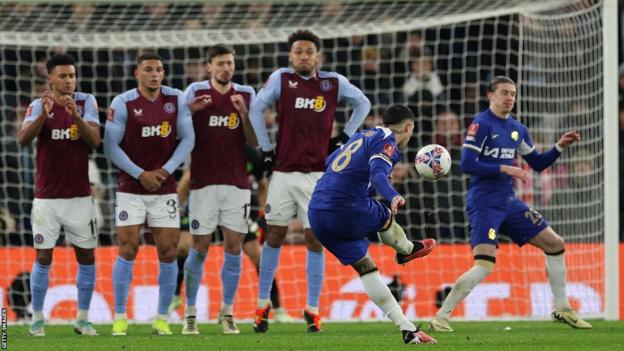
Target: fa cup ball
<point x="433" y="162"/>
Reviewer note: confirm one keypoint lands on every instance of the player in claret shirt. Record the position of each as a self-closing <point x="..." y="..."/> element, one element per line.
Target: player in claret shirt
<point x="344" y="216"/>
<point x="67" y="128"/>
<point x="492" y="206"/>
<point x="220" y="194"/>
<point x="306" y="100"/>
<point x="140" y="139"/>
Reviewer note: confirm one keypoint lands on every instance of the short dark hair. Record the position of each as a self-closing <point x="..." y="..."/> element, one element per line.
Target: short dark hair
<point x="148" y="56"/>
<point x="60" y="60"/>
<point x="396" y="114"/>
<point x="306" y="35"/>
<point x="499" y="80"/>
<point x="218" y="50"/>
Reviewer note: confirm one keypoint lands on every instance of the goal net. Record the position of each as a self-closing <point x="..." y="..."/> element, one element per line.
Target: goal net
<point x="435" y="56"/>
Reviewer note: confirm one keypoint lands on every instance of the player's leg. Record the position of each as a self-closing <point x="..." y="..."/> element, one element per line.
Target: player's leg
<point x="79" y="220"/>
<point x="128" y="239"/>
<point x="85" y="282"/>
<point x="553" y="246"/>
<point x="183" y="249"/>
<point x="46" y="228"/>
<point x="484" y="261"/>
<point x="484" y="230"/>
<point x="280" y="208"/>
<point x="230" y="276"/>
<point x="524" y="224"/>
<point x="251" y="248"/>
<point x="166" y="240"/>
<point x="203" y="215"/>
<point x="130" y="215"/>
<point x="163" y="216"/>
<point x="394" y="236"/>
<point x="380" y="294"/>
<point x="302" y="189"/>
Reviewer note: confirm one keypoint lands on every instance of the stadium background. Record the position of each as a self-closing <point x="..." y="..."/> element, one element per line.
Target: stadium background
<point x="463" y="57"/>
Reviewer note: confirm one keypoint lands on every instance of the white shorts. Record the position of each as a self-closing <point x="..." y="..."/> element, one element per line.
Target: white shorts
<point x="160" y="211"/>
<point x="75" y="215"/>
<point x="224" y="205"/>
<point x="289" y="196"/>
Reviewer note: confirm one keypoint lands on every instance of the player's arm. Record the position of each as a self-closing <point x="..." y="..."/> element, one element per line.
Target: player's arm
<point x="239" y="103"/>
<point x="470" y="164"/>
<point x="114" y="131"/>
<point x="184" y="186"/>
<point x="541" y="161"/>
<point x="35" y="118"/>
<point x="380" y="166"/>
<point x="186" y="135"/>
<point x="265" y="98"/>
<point x="358" y="101"/>
<point x="89" y="127"/>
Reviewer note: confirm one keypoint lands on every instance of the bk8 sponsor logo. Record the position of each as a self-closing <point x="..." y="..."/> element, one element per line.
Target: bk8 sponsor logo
<point x="163" y="130"/>
<point x="231" y="121"/>
<point x="317" y="105"/>
<point x="70" y="133"/>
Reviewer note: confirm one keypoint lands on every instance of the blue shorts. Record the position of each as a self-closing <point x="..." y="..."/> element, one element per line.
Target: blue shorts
<point x="514" y="219"/>
<point x="345" y="233"/>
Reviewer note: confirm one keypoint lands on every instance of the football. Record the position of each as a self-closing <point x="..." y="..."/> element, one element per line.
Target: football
<point x="433" y="161"/>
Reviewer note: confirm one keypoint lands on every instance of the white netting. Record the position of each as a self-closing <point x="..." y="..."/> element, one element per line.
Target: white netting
<point x="435" y="56"/>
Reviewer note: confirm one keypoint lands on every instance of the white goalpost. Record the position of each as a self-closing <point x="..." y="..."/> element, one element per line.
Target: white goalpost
<point x="436" y="56"/>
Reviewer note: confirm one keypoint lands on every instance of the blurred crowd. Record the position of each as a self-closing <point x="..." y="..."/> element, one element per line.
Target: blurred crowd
<point x="440" y="73"/>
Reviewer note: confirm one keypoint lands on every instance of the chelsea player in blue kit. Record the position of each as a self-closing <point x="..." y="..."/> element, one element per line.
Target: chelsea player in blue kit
<point x="488" y="154"/>
<point x="343" y="215"/>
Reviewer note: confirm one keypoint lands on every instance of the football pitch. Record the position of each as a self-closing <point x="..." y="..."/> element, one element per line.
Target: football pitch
<point x="527" y="335"/>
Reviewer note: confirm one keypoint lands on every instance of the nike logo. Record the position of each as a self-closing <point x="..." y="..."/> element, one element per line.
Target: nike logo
<point x="494" y="136"/>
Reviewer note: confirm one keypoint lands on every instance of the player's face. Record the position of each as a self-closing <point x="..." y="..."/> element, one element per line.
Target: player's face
<point x="150" y="74"/>
<point x="221" y="68"/>
<point x="304" y="57"/>
<point x="63" y="79"/>
<point x="503" y="98"/>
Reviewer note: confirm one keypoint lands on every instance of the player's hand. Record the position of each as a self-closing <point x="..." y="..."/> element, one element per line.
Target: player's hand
<point x="515" y="172"/>
<point x="70" y="106"/>
<point x="268" y="161"/>
<point x="161" y="174"/>
<point x="200" y="103"/>
<point x="239" y="104"/>
<point x="568" y="138"/>
<point x="397" y="201"/>
<point x="150" y="180"/>
<point x="337" y="142"/>
<point x="47" y="101"/>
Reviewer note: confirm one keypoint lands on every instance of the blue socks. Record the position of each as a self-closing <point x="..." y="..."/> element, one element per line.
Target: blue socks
<point x="39" y="282"/>
<point x="193" y="271"/>
<point x="167" y="278"/>
<point x="268" y="265"/>
<point x="230" y="276"/>
<point x="85" y="283"/>
<point x="315" y="269"/>
<point x="122" y="276"/>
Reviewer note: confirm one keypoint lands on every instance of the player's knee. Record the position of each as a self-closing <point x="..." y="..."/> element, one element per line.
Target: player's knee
<point x="486" y="262"/>
<point x="555" y="246"/>
<point x="364" y="266"/>
<point x="128" y="250"/>
<point x="201" y="243"/>
<point x="44" y="258"/>
<point x="86" y="257"/>
<point x="167" y="254"/>
<point x="233" y="248"/>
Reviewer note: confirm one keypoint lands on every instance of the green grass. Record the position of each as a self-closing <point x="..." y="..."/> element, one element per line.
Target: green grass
<point x="489" y="336"/>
